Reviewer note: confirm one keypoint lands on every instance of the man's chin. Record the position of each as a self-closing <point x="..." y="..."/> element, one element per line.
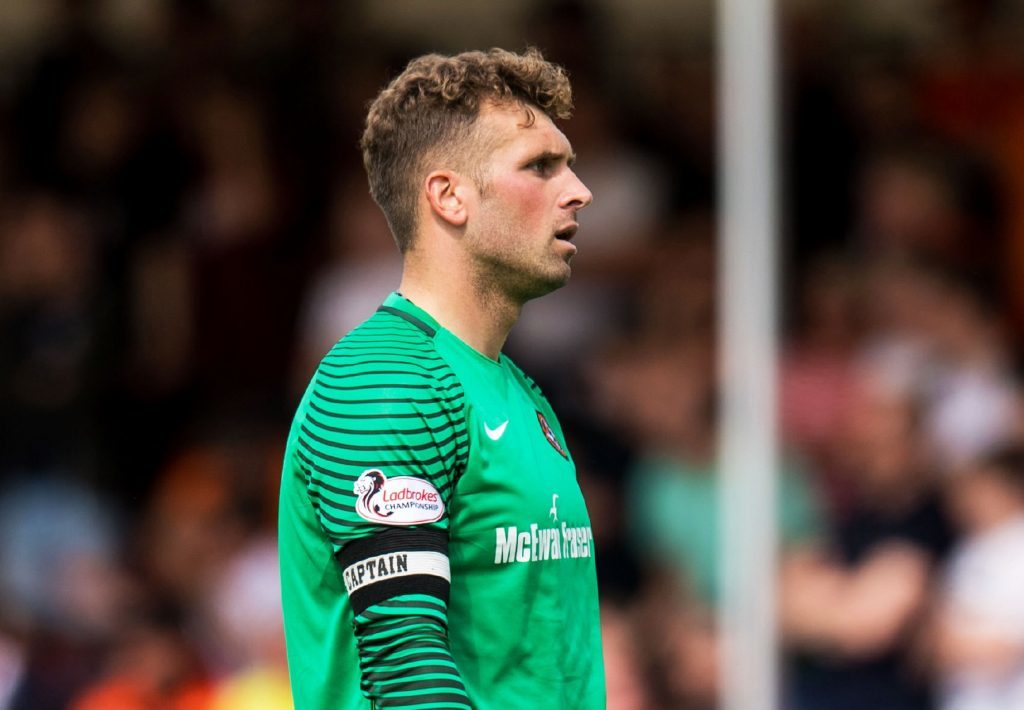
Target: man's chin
<point x="547" y="283"/>
<point x="522" y="283"/>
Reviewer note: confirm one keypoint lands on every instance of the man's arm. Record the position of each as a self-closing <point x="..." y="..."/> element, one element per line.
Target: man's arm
<point x="382" y="445"/>
<point x="855" y="612"/>
<point x="401" y="622"/>
<point x="963" y="644"/>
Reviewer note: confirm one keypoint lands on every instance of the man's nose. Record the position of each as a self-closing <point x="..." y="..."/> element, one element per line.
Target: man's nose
<point x="578" y="195"/>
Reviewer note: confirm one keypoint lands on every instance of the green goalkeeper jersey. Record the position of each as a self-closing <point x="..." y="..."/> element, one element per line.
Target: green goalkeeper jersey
<point x="436" y="550"/>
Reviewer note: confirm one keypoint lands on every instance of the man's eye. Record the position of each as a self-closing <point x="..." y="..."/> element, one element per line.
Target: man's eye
<point x="541" y="167"/>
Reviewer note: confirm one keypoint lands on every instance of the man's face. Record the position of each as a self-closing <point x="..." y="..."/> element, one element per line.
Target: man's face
<point x="523" y="214"/>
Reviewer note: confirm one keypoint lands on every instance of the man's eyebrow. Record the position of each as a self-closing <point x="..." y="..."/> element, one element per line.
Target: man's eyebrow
<point x="553" y="156"/>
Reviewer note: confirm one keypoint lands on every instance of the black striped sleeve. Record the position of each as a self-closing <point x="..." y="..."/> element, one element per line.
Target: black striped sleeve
<point x="382" y="439"/>
<point x="404" y="657"/>
<point x="381" y="444"/>
<point x="397" y="582"/>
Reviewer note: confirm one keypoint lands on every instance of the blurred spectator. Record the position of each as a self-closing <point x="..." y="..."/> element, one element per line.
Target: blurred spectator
<point x="932" y="335"/>
<point x="152" y="665"/>
<point x="61" y="586"/>
<point x="661" y="394"/>
<point x="247" y="613"/>
<point x="979" y="627"/>
<point x="58" y="556"/>
<point x="850" y="605"/>
<point x="973" y="399"/>
<point x="929" y="202"/>
<point x="672" y="503"/>
<point x="49" y="317"/>
<point x="194" y="525"/>
<point x="817" y="369"/>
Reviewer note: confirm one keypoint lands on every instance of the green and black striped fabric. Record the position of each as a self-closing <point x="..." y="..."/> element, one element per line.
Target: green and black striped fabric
<point x="436" y="550"/>
<point x="404" y="655"/>
<point x="381" y="399"/>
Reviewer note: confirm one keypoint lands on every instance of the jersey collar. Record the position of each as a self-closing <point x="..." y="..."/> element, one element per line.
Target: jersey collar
<point x="399" y="305"/>
<point x="402" y="307"/>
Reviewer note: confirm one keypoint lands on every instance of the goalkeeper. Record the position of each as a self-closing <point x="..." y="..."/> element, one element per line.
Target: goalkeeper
<point x="436" y="550"/>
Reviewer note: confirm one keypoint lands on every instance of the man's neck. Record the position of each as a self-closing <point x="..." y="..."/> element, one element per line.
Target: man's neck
<point x="479" y="317"/>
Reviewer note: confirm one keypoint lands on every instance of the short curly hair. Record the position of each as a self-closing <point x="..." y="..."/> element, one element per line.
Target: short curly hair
<point x="429" y="110"/>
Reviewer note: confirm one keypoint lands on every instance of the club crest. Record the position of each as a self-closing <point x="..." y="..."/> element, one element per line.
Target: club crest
<point x="549" y="434"/>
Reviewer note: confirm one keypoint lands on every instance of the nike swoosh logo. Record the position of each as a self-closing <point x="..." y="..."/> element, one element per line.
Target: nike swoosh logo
<point x="497" y="432"/>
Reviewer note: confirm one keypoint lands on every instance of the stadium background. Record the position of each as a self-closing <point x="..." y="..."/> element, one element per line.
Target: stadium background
<point x="185" y="228"/>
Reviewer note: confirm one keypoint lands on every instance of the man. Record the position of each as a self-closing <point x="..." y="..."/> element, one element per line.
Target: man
<point x="436" y="550"/>
<point x="852" y="603"/>
<point x="978" y="624"/>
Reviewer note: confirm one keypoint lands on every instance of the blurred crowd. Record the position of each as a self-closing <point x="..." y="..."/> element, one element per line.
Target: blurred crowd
<point x="185" y="229"/>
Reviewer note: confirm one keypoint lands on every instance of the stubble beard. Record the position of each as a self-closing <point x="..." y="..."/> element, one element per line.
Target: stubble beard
<point x="514" y="283"/>
<point x="516" y="274"/>
<point x="504" y="266"/>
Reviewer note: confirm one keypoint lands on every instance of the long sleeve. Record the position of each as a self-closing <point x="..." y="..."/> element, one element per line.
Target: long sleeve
<point x="404" y="656"/>
<point x="382" y="445"/>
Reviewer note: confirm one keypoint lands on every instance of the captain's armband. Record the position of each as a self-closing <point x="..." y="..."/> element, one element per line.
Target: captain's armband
<point x="393" y="562"/>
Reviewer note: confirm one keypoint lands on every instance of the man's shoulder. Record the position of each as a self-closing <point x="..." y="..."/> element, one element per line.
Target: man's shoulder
<point x="388" y="364"/>
<point x="386" y="342"/>
<point x="386" y="328"/>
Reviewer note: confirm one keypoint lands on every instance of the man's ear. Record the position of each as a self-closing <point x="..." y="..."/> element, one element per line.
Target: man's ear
<point x="446" y="193"/>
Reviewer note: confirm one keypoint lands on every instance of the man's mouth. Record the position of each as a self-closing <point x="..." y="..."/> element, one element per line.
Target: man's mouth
<point x="567" y="232"/>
